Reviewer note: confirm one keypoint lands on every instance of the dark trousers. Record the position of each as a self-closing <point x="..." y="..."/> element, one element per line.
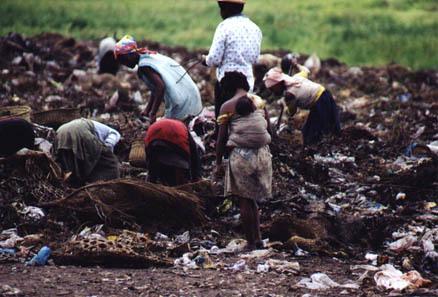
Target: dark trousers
<point x="323" y="119"/>
<point x="218" y="101"/>
<point x="167" y="175"/>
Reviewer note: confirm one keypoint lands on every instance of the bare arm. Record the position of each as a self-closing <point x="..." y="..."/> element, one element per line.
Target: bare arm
<point x="158" y="92"/>
<point x="271" y="132"/>
<point x="303" y="70"/>
<point x="222" y="138"/>
<point x="291" y="103"/>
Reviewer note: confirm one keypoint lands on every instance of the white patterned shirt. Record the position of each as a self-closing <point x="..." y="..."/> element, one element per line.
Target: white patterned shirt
<point x="236" y="47"/>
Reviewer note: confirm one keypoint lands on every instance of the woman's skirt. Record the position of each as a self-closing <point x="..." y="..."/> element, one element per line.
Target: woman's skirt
<point x="79" y="151"/>
<point x="323" y="119"/>
<point x="249" y="174"/>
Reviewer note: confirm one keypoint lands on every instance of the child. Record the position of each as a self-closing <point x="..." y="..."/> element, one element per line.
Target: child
<point x="301" y="92"/>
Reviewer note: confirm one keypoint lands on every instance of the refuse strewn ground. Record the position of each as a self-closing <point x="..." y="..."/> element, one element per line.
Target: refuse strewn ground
<point x="366" y="198"/>
<point x="74" y="281"/>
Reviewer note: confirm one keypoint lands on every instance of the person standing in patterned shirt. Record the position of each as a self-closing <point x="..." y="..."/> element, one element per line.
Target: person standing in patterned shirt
<point x="236" y="46"/>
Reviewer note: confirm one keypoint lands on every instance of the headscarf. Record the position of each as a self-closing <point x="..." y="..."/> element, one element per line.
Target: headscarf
<point x="128" y="45"/>
<point x="275" y="76"/>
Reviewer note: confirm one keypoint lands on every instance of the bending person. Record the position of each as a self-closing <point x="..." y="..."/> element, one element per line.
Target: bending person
<point x="171" y="154"/>
<point x="300" y="92"/>
<point x="85" y="148"/>
<point x="168" y="81"/>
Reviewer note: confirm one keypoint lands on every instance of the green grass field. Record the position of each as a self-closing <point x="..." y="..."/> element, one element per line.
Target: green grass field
<point x="358" y="32"/>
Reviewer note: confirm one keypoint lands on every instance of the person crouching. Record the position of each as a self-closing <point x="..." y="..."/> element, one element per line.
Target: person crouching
<point x="171" y="154"/>
<point x="300" y="92"/>
<point x="85" y="148"/>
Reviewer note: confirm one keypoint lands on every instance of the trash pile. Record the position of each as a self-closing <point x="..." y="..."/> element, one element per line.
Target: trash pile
<point x="373" y="191"/>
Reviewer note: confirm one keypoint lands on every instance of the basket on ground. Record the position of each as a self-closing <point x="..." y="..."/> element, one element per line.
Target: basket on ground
<point x="137" y="155"/>
<point x="10" y="112"/>
<point x="56" y="117"/>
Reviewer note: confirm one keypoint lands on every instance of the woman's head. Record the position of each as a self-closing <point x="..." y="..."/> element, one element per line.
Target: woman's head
<point x="230" y="8"/>
<point x="130" y="60"/>
<point x="275" y="81"/>
<point x="233" y="81"/>
<point x="126" y="51"/>
<point x="288" y="62"/>
<point x="245" y="106"/>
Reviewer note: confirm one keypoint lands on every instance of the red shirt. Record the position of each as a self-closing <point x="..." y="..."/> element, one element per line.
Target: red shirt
<point x="172" y="131"/>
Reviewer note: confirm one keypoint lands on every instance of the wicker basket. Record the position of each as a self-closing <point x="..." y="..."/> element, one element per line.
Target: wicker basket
<point x="56" y="117"/>
<point x="137" y="155"/>
<point x="10" y="112"/>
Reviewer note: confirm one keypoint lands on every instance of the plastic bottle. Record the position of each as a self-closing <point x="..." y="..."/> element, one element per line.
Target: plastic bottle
<point x="41" y="258"/>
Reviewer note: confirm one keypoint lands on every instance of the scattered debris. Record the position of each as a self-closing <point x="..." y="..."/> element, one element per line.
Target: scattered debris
<point x="40" y="259"/>
<point x="390" y="278"/>
<point x="371" y="189"/>
<point x="321" y="281"/>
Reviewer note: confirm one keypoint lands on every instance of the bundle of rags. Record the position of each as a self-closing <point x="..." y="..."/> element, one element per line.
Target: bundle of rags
<point x="136" y="203"/>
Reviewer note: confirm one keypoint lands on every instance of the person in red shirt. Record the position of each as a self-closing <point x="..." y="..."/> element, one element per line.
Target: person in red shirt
<point x="171" y="153"/>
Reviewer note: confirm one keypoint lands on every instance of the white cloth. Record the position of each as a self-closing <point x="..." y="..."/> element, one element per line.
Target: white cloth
<point x="106" y="45"/>
<point x="236" y="47"/>
<point x="305" y="91"/>
<point x="106" y="134"/>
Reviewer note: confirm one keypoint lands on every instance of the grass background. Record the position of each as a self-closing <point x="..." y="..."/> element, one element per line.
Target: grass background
<point x="358" y="32"/>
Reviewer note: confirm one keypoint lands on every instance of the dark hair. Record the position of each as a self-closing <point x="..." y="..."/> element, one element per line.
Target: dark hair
<point x="245" y="106"/>
<point x="229" y="84"/>
<point x="109" y="64"/>
<point x="286" y="63"/>
<point x="230" y="9"/>
<point x="232" y="81"/>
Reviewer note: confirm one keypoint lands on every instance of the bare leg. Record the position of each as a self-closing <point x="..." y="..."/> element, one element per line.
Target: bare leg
<point x="256" y="229"/>
<point x="250" y="221"/>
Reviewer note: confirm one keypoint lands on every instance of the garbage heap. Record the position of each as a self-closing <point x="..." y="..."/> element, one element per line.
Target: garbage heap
<point x="371" y="192"/>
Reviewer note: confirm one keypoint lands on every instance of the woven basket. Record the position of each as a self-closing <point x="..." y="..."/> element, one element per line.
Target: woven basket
<point x="56" y="117"/>
<point x="137" y="155"/>
<point x="10" y="112"/>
